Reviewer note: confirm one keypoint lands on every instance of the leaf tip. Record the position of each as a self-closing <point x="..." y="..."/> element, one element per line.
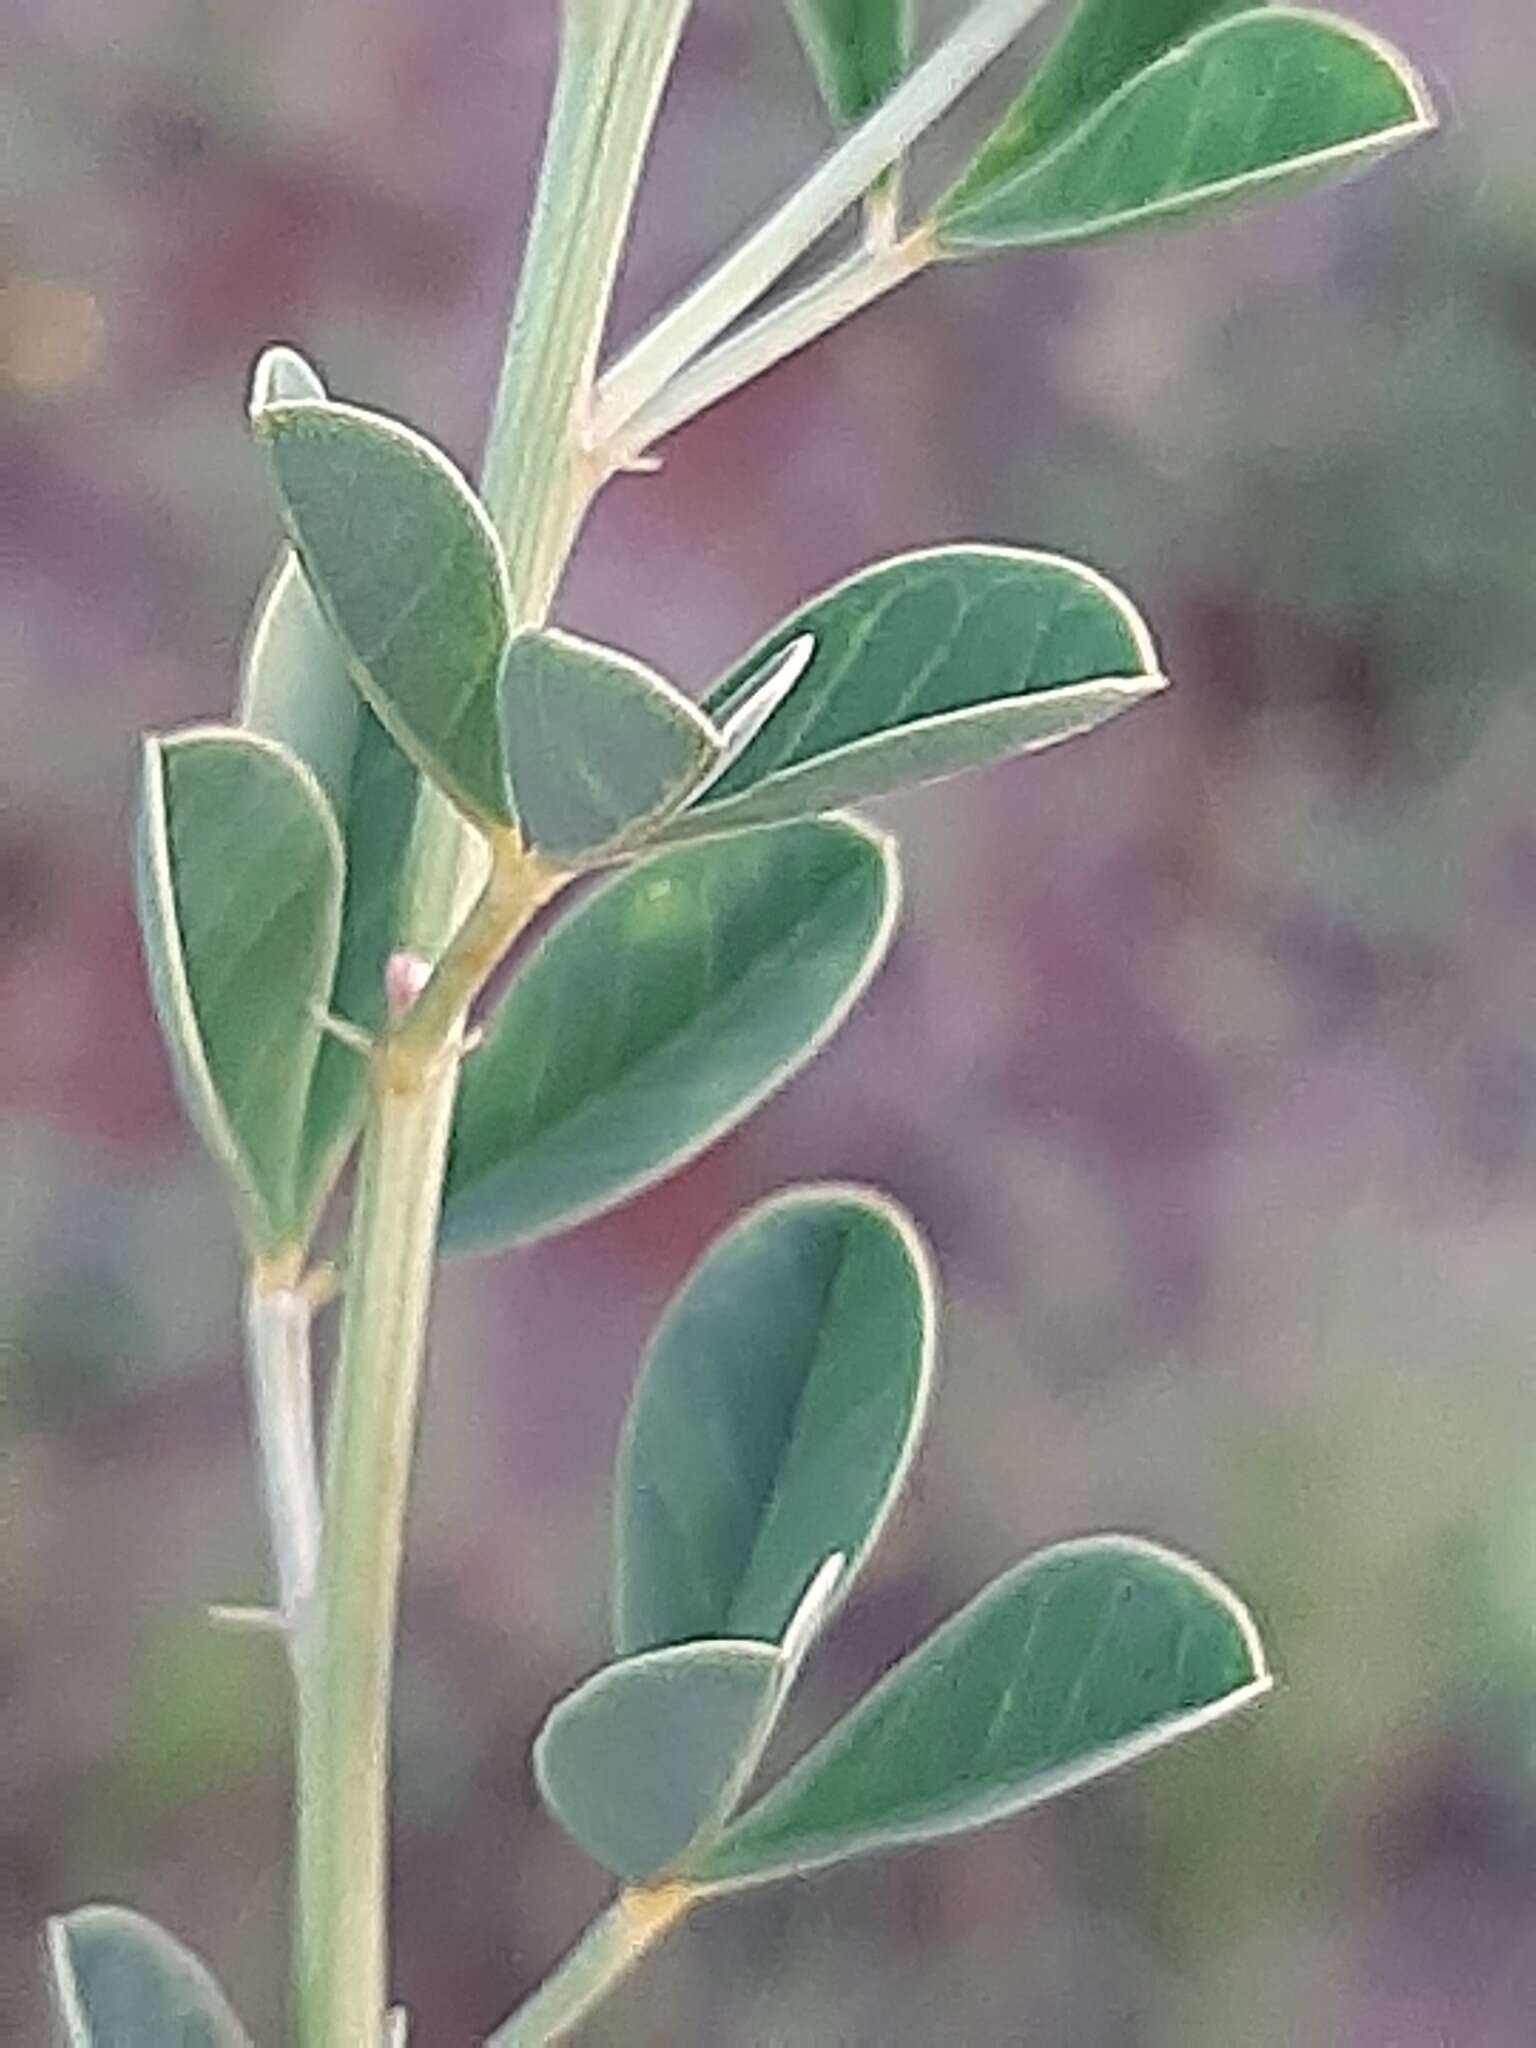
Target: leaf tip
<point x="280" y="376"/>
<point x="1260" y="1678"/>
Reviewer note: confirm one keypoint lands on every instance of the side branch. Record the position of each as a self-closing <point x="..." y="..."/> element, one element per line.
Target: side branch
<point x="838" y="183"/>
<point x="862" y="278"/>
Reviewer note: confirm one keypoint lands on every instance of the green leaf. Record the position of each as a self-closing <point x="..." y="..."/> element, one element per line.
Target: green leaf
<point x="294" y="683"/>
<point x="1105" y="43"/>
<point x="775" y="1419"/>
<point x="655" y="1016"/>
<point x="240" y="884"/>
<point x="598" y="746"/>
<point x="645" y="1756"/>
<point x="1086" y="1657"/>
<point x="123" y="1982"/>
<point x="859" y="50"/>
<point x="1253" y="102"/>
<point x="409" y="574"/>
<point x="297" y="691"/>
<point x="925" y="665"/>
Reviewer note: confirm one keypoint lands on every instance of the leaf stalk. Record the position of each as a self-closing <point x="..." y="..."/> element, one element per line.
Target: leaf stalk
<point x="607" y="1952"/>
<point x="875" y="268"/>
<point x="838" y="183"/>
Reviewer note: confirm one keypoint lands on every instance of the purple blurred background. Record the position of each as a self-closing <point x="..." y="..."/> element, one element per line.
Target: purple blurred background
<point x="1207" y="1057"/>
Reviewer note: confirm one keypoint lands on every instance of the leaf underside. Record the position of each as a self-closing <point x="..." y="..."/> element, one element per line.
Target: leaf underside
<point x="647" y="1754"/>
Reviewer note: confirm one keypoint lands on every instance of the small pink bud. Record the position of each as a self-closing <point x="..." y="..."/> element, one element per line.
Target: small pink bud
<point x="405" y="976"/>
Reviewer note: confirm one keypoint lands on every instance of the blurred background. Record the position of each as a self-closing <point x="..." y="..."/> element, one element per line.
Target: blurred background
<point x="1207" y="1058"/>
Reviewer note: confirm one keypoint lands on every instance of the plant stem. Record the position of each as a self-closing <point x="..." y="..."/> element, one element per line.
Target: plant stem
<point x="837" y="183"/>
<point x="608" y="1951"/>
<point x="277" y="1323"/>
<point x="615" y="63"/>
<point x="346" y="1643"/>
<point x="867" y="275"/>
<point x="616" y="56"/>
<point x="516" y="887"/>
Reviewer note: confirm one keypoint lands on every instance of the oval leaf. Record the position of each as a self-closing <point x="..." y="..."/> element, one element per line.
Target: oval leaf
<point x="637" y="1763"/>
<point x="409" y="574"/>
<point x="925" y="665"/>
<point x="859" y="50"/>
<point x="1263" y="99"/>
<point x="297" y="691"/>
<point x="597" y="746"/>
<point x="240" y="883"/>
<point x="655" y="1016"/>
<point x="123" y="1982"/>
<point x="775" y="1419"/>
<point x="1085" y="1657"/>
<point x="1105" y="43"/>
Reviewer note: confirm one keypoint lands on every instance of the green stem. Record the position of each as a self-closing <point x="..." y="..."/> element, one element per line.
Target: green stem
<point x="615" y="62"/>
<point x="616" y="57"/>
<point x="608" y="1951"/>
<point x="346" y="1645"/>
<point x="874" y="269"/>
<point x="839" y="182"/>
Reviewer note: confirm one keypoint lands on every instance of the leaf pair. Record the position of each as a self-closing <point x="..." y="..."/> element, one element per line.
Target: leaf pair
<point x="774" y="1423"/>
<point x="1141" y="111"/>
<point x="575" y="747"/>
<point x="585" y="751"/>
<point x="772" y="1429"/>
<point x="657" y="1014"/>
<point x="921" y="667"/>
<point x="270" y="861"/>
<point x="674" y="1000"/>
<point x="664" y="1008"/>
<point x="918" y="668"/>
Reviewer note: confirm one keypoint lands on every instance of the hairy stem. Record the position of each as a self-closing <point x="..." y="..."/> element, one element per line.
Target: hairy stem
<point x="616" y="56"/>
<point x="607" y="1952"/>
<point x="839" y="182"/>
